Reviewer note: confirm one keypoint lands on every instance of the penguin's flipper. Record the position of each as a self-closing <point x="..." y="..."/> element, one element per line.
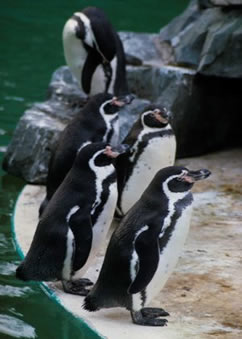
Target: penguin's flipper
<point x="148" y="250"/>
<point x="81" y="226"/>
<point x="92" y="61"/>
<point x="121" y="165"/>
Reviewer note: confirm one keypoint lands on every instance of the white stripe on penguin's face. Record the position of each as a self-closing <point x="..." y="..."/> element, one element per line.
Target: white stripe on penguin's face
<point x="110" y="119"/>
<point x="173" y="198"/>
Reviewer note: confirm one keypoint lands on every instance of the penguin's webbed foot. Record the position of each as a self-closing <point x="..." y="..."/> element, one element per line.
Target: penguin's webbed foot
<point x="83" y="282"/>
<point x="154" y="312"/>
<point x="77" y="287"/>
<point x="149" y="317"/>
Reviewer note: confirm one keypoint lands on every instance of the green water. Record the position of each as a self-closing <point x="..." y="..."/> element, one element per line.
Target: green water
<point x="30" y="50"/>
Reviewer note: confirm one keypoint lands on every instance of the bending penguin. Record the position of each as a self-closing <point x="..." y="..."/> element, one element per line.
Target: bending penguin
<point x="94" y="53"/>
<point x="96" y="122"/>
<point x="145" y="247"/>
<point x="152" y="146"/>
<point x="75" y="222"/>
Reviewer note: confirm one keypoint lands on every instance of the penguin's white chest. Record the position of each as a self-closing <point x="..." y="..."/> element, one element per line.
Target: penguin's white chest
<point x="105" y="218"/>
<point x="170" y="254"/>
<point x="98" y="83"/>
<point x="159" y="153"/>
<point x="75" y="53"/>
<point x="101" y="227"/>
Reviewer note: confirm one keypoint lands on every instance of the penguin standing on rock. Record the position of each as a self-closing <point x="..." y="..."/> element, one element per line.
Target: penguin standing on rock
<point x="152" y="146"/>
<point x="94" y="53"/>
<point x="145" y="247"/>
<point x="96" y="122"/>
<point x="76" y="221"/>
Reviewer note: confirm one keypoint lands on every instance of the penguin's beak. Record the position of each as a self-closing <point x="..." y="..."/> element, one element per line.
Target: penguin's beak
<point x="115" y="151"/>
<point x="192" y="176"/>
<point x="162" y="115"/>
<point x="123" y="100"/>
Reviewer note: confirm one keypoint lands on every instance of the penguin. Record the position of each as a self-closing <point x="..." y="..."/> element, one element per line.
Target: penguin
<point x="152" y="146"/>
<point x="97" y="121"/>
<point x="145" y="247"/>
<point x="94" y="53"/>
<point x="75" y="222"/>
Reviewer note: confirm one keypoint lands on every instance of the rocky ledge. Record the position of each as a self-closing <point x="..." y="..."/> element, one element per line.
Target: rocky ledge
<point x="193" y="67"/>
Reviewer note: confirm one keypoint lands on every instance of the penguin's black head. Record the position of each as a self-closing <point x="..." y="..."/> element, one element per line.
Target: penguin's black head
<point x="112" y="104"/>
<point x="155" y="116"/>
<point x="105" y="156"/>
<point x="177" y="179"/>
<point x="98" y="154"/>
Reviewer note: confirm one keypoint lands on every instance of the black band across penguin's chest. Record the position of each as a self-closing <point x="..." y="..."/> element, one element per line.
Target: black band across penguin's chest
<point x="179" y="207"/>
<point x="140" y="147"/>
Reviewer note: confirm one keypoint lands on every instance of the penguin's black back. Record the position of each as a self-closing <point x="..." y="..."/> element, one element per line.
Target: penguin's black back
<point x="88" y="125"/>
<point x="44" y="260"/>
<point x="110" y="44"/>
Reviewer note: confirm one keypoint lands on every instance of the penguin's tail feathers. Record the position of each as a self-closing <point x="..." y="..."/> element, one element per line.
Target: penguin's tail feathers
<point x="91" y="303"/>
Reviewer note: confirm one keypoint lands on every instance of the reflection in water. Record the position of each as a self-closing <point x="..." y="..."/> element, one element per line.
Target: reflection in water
<point x="7" y="268"/>
<point x="12" y="291"/>
<point x="15" y="327"/>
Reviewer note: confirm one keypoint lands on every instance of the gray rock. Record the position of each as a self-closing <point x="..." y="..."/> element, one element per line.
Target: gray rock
<point x="181" y="22"/>
<point x="204" y="4"/>
<point x="187" y="36"/>
<point x="222" y="51"/>
<point x="207" y="40"/>
<point x="189" y="43"/>
<point x="222" y="3"/>
<point x="141" y="45"/>
<point x="171" y="34"/>
<point x="38" y="129"/>
<point x="64" y="87"/>
<point x="29" y="152"/>
<point x="156" y="82"/>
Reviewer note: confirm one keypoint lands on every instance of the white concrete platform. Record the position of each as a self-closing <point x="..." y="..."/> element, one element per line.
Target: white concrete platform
<point x="203" y="295"/>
